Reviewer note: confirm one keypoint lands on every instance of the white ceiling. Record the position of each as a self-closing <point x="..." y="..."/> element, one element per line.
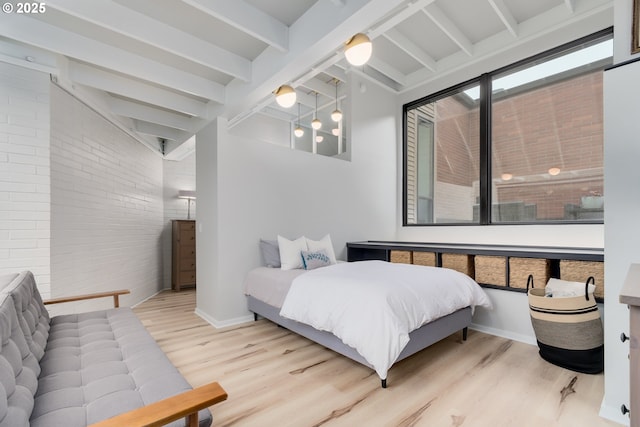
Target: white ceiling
<point x="163" y="69"/>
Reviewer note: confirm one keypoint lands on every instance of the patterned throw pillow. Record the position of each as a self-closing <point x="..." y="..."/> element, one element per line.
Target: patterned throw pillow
<point x="312" y="260"/>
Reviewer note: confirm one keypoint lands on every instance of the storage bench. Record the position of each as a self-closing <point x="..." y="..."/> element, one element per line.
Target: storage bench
<point x="81" y="369"/>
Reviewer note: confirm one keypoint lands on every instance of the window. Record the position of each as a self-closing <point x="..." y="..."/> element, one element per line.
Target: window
<point x="530" y="152"/>
<point x="442" y="152"/>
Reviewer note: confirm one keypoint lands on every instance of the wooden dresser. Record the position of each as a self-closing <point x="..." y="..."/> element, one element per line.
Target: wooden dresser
<point x="183" y="253"/>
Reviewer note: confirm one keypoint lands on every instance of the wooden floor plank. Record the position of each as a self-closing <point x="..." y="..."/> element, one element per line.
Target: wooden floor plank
<point x="275" y="377"/>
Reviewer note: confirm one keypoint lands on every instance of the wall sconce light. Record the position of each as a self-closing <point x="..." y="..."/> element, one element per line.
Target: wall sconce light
<point x="358" y="49"/>
<point x="190" y="195"/>
<point x="319" y="139"/>
<point x="285" y="96"/>
<point x="506" y="176"/>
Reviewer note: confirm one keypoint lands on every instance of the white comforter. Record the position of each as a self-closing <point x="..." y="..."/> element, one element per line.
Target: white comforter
<point x="373" y="305"/>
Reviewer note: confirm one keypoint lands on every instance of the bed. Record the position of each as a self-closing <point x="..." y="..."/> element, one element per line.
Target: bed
<point x="325" y="305"/>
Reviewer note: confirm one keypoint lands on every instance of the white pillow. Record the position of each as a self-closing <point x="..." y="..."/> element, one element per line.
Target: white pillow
<point x="557" y="288"/>
<point x="290" y="251"/>
<point x="323" y="244"/>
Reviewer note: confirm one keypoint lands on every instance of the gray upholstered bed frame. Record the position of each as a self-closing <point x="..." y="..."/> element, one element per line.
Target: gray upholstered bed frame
<point x="419" y="339"/>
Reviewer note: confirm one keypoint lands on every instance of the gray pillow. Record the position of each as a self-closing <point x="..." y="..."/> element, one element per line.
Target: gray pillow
<point x="270" y="253"/>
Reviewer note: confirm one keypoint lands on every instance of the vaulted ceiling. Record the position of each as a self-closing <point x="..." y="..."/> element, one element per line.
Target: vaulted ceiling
<point x="163" y="69"/>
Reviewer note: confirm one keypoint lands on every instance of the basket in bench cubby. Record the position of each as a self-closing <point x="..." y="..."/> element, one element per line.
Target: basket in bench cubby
<point x="404" y="257"/>
<point x="425" y="258"/>
<point x="521" y="268"/>
<point x="580" y="271"/>
<point x="459" y="262"/>
<point x="491" y="270"/>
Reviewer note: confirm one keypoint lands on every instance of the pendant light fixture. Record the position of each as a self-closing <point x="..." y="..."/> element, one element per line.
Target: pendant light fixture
<point x="298" y="131"/>
<point x="358" y="49"/>
<point x="554" y="171"/>
<point x="285" y="96"/>
<point x="319" y="139"/>
<point x="336" y="116"/>
<point x="335" y="131"/>
<point x="315" y="123"/>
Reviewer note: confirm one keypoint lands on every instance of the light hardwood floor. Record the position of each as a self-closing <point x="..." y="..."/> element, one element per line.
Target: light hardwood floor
<point x="277" y="378"/>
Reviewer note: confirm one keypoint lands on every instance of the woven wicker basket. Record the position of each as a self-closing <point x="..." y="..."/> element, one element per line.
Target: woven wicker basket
<point x="521" y="268"/>
<point x="459" y="262"/>
<point x="401" y="257"/>
<point x="579" y="271"/>
<point x="424" y="258"/>
<point x="491" y="270"/>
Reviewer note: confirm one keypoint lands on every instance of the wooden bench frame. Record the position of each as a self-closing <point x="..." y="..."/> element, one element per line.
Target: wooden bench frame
<point x="184" y="405"/>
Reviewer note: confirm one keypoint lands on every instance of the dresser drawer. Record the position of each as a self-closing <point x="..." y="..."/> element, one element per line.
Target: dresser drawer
<point x="187" y="253"/>
<point x="187" y="237"/>
<point x="187" y="277"/>
<point x="188" y="264"/>
<point x="187" y="226"/>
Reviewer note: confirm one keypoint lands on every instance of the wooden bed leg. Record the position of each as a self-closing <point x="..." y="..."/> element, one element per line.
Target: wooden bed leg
<point x="384" y="383"/>
<point x="464" y="333"/>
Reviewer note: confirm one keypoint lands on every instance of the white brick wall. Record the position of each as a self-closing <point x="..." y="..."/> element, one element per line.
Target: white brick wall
<point x="177" y="176"/>
<point x="106" y="207"/>
<point x="24" y="173"/>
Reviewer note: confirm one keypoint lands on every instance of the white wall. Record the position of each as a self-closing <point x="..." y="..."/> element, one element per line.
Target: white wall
<point x="622" y="178"/>
<point x="260" y="190"/>
<point x="623" y="11"/>
<point x="259" y="127"/>
<point x="208" y="254"/>
<point x="106" y="207"/>
<point x="622" y="151"/>
<point x="177" y="175"/>
<point x="24" y="173"/>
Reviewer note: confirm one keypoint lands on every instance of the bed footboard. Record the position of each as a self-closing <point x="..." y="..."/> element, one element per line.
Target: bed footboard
<point x="419" y="339"/>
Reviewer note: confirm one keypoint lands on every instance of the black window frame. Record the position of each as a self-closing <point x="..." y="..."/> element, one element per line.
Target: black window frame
<point x="485" y="102"/>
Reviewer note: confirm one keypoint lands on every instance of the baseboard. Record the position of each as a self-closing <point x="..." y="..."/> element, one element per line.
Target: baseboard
<point x="223" y="324"/>
<point x="504" y="334"/>
<point x="147" y="298"/>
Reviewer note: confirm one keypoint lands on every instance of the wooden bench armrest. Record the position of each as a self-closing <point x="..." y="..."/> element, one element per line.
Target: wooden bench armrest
<point x="114" y="294"/>
<point x="160" y="413"/>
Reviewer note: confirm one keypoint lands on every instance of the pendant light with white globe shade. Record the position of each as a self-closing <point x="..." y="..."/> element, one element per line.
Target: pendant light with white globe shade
<point x="336" y="115"/>
<point x="298" y="131"/>
<point x="315" y="123"/>
<point x="358" y="49"/>
<point x="285" y="96"/>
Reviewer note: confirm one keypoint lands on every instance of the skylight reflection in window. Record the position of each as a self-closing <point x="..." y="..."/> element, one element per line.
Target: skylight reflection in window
<point x="573" y="60"/>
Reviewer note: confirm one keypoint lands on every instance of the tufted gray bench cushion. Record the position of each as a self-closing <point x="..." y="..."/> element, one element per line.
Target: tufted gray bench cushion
<point x="92" y="366"/>
<point x="19" y="369"/>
